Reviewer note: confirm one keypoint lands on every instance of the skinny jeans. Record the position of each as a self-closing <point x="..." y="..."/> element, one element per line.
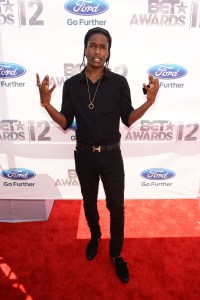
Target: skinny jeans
<point x="109" y="167"/>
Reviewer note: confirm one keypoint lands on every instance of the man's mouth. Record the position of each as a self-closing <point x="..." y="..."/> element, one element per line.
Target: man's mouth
<point x="97" y="59"/>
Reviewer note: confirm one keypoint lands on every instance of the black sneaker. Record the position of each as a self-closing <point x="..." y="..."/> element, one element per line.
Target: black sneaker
<point x="121" y="269"/>
<point x="92" y="248"/>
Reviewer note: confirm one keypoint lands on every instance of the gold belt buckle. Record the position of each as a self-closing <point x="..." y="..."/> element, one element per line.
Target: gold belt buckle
<point x="96" y="148"/>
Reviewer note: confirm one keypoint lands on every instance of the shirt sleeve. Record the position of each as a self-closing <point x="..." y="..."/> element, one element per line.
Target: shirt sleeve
<point x="66" y="107"/>
<point x="125" y="102"/>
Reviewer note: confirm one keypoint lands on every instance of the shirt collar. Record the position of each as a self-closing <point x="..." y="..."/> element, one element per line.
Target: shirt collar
<point x="107" y="73"/>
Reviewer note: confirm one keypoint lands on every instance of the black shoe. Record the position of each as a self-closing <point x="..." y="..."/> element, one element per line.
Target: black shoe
<point x="92" y="248"/>
<point x="121" y="269"/>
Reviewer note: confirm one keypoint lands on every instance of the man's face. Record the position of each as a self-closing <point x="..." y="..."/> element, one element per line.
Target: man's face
<point x="96" y="51"/>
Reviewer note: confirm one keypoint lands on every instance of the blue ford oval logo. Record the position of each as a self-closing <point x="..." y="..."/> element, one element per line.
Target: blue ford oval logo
<point x="73" y="126"/>
<point x="11" y="70"/>
<point x="86" y="7"/>
<point x="167" y="71"/>
<point x="157" y="174"/>
<point x="18" y="174"/>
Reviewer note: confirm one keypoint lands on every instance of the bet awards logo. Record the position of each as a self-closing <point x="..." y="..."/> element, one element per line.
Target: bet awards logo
<point x="169" y="13"/>
<point x="22" y="13"/>
<point x="12" y="130"/>
<point x="70" y="181"/>
<point x="163" y="130"/>
<point x="15" y="130"/>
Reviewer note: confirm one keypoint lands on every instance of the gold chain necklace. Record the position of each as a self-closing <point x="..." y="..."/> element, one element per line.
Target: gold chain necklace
<point x="91" y="104"/>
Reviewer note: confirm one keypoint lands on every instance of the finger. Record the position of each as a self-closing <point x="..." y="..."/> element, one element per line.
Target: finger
<point x="151" y="80"/>
<point x="45" y="83"/>
<point x="156" y="82"/>
<point x="38" y="80"/>
<point x="46" y="80"/>
<point x="53" y="88"/>
<point x="46" y="88"/>
<point x="148" y="86"/>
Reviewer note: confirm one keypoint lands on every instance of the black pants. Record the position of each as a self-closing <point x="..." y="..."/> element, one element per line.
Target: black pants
<point x="90" y="167"/>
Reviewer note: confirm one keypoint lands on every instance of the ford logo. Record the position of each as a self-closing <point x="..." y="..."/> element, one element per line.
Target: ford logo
<point x="86" y="7"/>
<point x="157" y="174"/>
<point x="73" y="126"/>
<point x="10" y="70"/>
<point x="167" y="71"/>
<point x="18" y="174"/>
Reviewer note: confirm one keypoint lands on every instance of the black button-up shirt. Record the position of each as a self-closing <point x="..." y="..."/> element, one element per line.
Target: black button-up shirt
<point x="100" y="125"/>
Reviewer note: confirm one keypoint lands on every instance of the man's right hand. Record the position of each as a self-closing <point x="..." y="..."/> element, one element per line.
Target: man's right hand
<point x="45" y="92"/>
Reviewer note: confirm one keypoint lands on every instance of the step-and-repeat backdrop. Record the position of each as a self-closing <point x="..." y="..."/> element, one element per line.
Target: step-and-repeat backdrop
<point x="159" y="37"/>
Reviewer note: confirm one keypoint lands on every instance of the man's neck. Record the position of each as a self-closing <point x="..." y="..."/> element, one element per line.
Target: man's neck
<point x="94" y="73"/>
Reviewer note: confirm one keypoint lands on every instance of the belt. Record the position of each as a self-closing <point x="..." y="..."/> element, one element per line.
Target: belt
<point x="106" y="148"/>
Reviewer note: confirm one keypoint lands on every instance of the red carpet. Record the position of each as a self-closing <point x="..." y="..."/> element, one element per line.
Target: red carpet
<point x="46" y="260"/>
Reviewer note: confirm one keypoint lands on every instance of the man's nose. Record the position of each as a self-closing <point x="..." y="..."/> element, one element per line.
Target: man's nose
<point x="97" y="49"/>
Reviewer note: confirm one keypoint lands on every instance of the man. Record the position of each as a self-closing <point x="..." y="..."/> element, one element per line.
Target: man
<point x="97" y="98"/>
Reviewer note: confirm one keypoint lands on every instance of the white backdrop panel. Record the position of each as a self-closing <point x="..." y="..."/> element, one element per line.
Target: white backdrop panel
<point x="161" y="151"/>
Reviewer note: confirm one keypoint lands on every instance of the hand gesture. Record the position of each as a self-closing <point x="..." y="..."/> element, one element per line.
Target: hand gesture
<point x="45" y="92"/>
<point x="151" y="89"/>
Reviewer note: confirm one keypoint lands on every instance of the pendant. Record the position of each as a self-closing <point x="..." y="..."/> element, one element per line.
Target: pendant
<point x="91" y="106"/>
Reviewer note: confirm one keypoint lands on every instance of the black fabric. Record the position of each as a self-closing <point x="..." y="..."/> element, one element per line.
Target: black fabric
<point x="98" y="126"/>
<point x="90" y="167"/>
